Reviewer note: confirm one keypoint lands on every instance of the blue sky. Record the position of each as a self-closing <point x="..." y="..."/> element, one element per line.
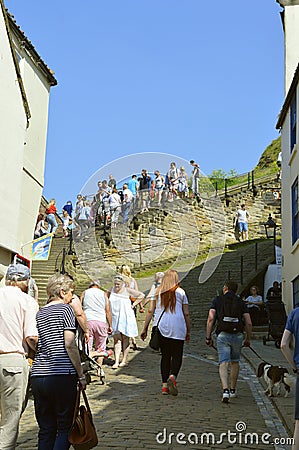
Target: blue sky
<point x="200" y="80"/>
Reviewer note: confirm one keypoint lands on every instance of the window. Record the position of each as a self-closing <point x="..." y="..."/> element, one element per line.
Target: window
<point x="295" y="213"/>
<point x="293" y="130"/>
<point x="296" y="292"/>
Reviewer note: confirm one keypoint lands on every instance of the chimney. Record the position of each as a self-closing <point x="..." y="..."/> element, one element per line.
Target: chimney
<point x="290" y="21"/>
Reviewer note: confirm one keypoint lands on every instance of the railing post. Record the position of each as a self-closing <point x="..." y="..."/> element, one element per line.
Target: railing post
<point x="248" y="180"/>
<point x="252" y="178"/>
<point x="225" y="187"/>
<point x="255" y="256"/>
<point x="62" y="270"/>
<point x="241" y="269"/>
<point x="216" y="188"/>
<point x="228" y="275"/>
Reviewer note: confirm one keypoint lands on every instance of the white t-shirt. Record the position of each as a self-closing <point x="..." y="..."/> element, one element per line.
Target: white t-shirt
<point x="172" y="324"/>
<point x="17" y="319"/>
<point x="127" y="195"/>
<point x="242" y="215"/>
<point x="252" y="299"/>
<point x="114" y="200"/>
<point x="94" y="304"/>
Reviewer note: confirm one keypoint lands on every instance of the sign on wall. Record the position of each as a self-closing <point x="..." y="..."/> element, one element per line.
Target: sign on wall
<point x="40" y="248"/>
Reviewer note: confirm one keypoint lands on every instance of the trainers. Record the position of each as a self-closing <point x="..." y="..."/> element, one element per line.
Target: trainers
<point x="233" y="393"/>
<point x="171" y="382"/>
<point x="225" y="396"/>
<point x="165" y="391"/>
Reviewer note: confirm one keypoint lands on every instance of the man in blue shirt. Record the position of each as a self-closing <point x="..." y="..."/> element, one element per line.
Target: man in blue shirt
<point x="133" y="186"/>
<point x="292" y="356"/>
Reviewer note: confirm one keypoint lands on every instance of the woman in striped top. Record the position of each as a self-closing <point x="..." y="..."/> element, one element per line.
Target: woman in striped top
<point x="57" y="366"/>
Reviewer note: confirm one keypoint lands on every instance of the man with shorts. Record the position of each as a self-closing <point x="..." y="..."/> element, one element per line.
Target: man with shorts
<point x="292" y="356"/>
<point x="232" y="318"/>
<point x="241" y="220"/>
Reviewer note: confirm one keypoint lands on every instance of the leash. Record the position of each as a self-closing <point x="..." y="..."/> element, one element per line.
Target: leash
<point x="252" y="349"/>
<point x="262" y="359"/>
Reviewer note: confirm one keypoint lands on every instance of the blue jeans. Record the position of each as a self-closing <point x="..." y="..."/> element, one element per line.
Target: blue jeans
<point x="54" y="403"/>
<point x="126" y="210"/>
<point x="52" y="223"/>
<point x="229" y="347"/>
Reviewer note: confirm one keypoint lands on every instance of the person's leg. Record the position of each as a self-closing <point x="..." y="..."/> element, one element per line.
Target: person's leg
<point x="295" y="445"/>
<point x="240" y="225"/>
<point x="64" y="389"/>
<point x="236" y="347"/>
<point x="44" y="405"/>
<point x="224" y="352"/>
<point x="176" y="349"/>
<point x="234" y="373"/>
<point x="125" y="348"/>
<point x="246" y="230"/>
<point x="90" y="324"/>
<point x="117" y="349"/>
<point x="223" y="373"/>
<point x="101" y="334"/>
<point x="165" y="359"/>
<point x="14" y="371"/>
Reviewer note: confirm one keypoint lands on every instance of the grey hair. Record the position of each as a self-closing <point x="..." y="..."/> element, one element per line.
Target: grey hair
<point x="57" y="282"/>
<point x="23" y="284"/>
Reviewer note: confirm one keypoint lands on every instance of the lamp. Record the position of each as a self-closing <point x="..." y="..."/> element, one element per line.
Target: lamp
<point x="270" y="227"/>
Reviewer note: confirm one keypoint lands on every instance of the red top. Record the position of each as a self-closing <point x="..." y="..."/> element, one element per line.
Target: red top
<point x="51" y="210"/>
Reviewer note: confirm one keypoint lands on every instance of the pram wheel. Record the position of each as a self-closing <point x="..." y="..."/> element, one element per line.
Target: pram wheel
<point x="264" y="340"/>
<point x="277" y="343"/>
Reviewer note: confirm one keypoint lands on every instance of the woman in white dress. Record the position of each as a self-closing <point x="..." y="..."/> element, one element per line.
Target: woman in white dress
<point x="124" y="323"/>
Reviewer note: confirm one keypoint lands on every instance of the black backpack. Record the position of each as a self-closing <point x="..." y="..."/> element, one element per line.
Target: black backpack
<point x="230" y="315"/>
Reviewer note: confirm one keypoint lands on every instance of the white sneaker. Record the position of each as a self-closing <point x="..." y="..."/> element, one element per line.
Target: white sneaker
<point x="225" y="396"/>
<point x="233" y="393"/>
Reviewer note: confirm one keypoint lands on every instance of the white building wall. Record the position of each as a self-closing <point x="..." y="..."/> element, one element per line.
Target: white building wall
<point x="37" y="92"/>
<point x="12" y="137"/>
<point x="291" y="24"/>
<point x="290" y="171"/>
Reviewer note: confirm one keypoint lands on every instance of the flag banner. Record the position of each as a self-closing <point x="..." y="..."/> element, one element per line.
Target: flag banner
<point x="40" y="248"/>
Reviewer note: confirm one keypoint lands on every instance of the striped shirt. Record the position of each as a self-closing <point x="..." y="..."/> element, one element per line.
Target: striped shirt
<point x="51" y="357"/>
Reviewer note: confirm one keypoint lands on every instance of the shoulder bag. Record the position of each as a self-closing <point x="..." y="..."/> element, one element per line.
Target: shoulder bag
<point x="154" y="341"/>
<point x="82" y="434"/>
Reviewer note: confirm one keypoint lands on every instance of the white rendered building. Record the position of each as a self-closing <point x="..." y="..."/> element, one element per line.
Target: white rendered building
<point x="288" y="123"/>
<point x="24" y="99"/>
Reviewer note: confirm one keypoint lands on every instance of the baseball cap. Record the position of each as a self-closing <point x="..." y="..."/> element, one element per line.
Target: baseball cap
<point x="17" y="272"/>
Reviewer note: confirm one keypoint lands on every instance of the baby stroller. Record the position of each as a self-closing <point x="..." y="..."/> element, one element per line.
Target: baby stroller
<point x="277" y="319"/>
<point x="89" y="363"/>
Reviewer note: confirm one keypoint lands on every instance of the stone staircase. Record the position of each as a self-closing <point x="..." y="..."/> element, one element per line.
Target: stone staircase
<point x="201" y="295"/>
<point x="182" y="231"/>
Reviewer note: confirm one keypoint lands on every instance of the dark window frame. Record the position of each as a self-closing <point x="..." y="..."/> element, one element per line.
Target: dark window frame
<point x="293" y="123"/>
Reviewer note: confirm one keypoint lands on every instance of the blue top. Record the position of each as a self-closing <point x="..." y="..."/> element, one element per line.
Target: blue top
<point x="51" y="357"/>
<point x="293" y="327"/>
<point x="68" y="208"/>
<point x="132" y="185"/>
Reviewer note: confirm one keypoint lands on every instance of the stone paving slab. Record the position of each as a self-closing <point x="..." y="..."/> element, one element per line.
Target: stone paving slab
<point x="130" y="412"/>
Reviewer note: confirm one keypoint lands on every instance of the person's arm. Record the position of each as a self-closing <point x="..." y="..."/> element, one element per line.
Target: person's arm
<point x="108" y="314"/>
<point x="35" y="288"/>
<point x="285" y="347"/>
<point x="32" y="342"/>
<point x="80" y="316"/>
<point x="148" y="319"/>
<point x="210" y="325"/>
<point x="82" y="297"/>
<point x="248" y="329"/>
<point x="187" y="320"/>
<point x="137" y="295"/>
<point x="73" y="353"/>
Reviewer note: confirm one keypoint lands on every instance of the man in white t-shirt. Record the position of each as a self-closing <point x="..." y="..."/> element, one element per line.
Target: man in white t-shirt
<point x="18" y="334"/>
<point x="241" y="220"/>
<point x="128" y="198"/>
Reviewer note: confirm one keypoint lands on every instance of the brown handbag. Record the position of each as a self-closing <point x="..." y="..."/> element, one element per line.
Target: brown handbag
<point x="82" y="435"/>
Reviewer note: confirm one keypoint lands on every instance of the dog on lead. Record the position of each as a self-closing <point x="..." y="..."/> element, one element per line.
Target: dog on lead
<point x="275" y="376"/>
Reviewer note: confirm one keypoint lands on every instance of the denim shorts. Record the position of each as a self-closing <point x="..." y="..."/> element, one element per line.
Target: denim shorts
<point x="229" y="347"/>
<point x="243" y="226"/>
